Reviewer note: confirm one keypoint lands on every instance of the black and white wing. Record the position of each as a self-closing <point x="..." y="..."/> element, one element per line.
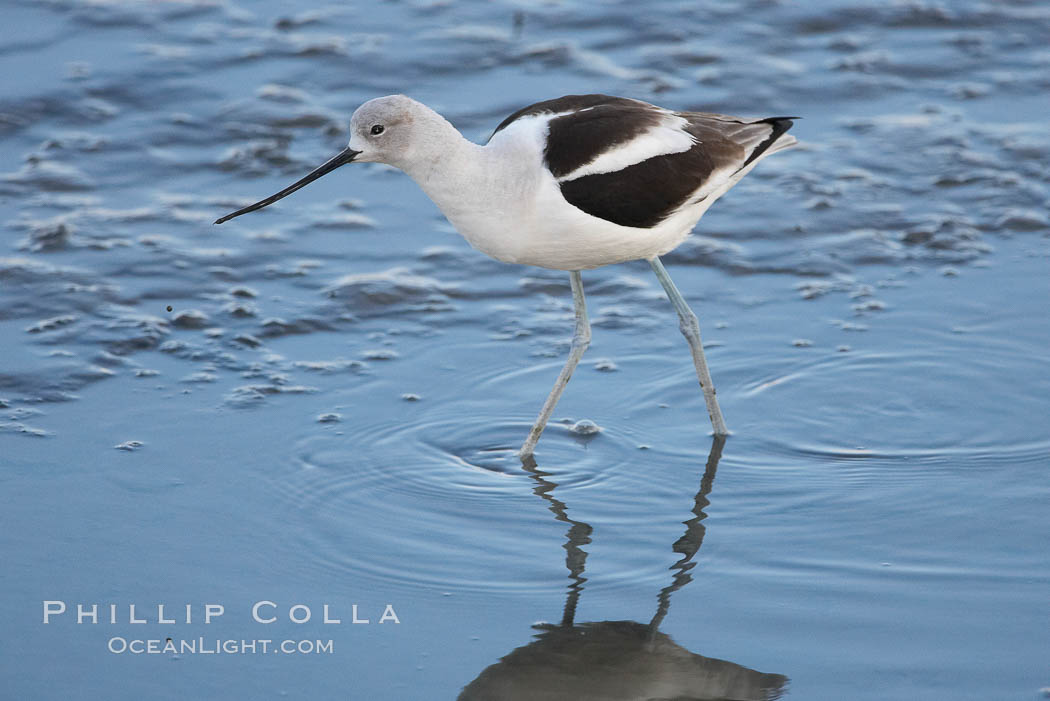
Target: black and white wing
<point x="635" y="164"/>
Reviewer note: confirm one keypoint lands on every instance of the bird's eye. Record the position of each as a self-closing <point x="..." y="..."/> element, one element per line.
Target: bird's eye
<point x="377" y="129"/>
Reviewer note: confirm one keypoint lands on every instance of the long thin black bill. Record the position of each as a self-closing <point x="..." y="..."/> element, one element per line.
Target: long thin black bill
<point x="344" y="157"/>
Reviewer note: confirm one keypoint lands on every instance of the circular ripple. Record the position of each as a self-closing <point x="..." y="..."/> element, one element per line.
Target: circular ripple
<point x="446" y="503"/>
<point x="898" y="412"/>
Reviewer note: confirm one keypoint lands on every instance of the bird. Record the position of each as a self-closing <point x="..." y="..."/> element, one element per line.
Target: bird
<point x="571" y="184"/>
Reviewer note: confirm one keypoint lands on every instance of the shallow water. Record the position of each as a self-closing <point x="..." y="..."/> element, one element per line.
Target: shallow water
<point x="328" y="413"/>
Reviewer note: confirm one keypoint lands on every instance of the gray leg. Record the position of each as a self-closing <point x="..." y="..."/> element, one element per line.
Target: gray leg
<point x="580" y="340"/>
<point x="691" y="330"/>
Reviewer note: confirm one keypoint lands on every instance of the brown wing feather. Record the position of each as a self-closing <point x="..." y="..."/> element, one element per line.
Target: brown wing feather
<point x="644" y="194"/>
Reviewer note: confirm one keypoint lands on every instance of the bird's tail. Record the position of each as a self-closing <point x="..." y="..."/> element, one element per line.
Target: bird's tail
<point x="765" y="136"/>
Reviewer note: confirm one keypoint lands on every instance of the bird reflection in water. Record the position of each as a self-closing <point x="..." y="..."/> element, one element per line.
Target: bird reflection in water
<point x="619" y="660"/>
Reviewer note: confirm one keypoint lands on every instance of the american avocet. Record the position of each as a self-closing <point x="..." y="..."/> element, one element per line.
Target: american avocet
<point x="569" y="184"/>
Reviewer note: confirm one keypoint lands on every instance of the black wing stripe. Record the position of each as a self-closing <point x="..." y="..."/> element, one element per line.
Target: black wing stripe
<point x="644" y="194"/>
<point x="568" y="103"/>
<point x="576" y="139"/>
<point x="641" y="195"/>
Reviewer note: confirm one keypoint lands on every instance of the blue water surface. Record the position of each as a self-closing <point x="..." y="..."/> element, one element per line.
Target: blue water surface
<point x="328" y="413"/>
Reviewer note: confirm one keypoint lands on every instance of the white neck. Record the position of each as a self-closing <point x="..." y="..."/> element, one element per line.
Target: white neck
<point x="486" y="192"/>
<point x="464" y="180"/>
<point x="435" y="144"/>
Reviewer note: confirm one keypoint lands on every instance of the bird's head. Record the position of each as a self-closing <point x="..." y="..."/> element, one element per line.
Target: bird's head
<point x="383" y="130"/>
